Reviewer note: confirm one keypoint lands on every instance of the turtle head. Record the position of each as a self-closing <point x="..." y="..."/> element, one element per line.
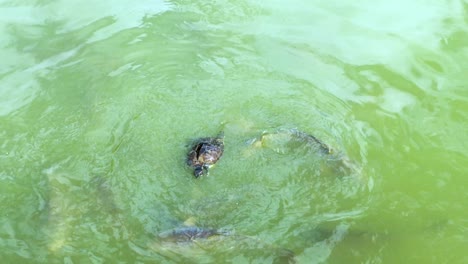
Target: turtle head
<point x="198" y="171"/>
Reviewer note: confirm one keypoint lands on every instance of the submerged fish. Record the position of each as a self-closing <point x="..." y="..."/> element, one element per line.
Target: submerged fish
<point x="297" y="144"/>
<point x="190" y="233"/>
<point x="197" y="243"/>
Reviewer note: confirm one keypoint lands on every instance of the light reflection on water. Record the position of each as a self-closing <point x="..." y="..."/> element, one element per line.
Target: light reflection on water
<point x="99" y="102"/>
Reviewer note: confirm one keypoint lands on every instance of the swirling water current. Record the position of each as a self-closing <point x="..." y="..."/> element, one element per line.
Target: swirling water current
<point x="100" y="100"/>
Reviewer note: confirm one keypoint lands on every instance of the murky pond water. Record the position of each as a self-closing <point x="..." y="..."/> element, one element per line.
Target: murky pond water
<point x="100" y="101"/>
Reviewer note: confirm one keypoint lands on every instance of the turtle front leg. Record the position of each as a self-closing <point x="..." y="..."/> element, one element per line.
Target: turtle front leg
<point x="205" y="168"/>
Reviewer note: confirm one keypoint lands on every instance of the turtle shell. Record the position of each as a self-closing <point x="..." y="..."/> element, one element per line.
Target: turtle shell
<point x="204" y="153"/>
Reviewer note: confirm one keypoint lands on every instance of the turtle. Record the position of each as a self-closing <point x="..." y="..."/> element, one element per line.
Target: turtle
<point x="204" y="153"/>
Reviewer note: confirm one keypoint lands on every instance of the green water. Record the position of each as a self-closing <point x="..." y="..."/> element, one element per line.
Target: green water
<point x="99" y="101"/>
